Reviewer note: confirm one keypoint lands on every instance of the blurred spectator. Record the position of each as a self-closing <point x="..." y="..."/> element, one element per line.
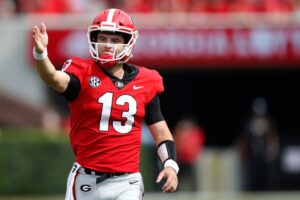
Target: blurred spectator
<point x="171" y="5"/>
<point x="7" y="8"/>
<point x="279" y="5"/>
<point x="189" y="138"/>
<point x="45" y="7"/>
<point x="143" y="6"/>
<point x="198" y="6"/>
<point x="217" y="6"/>
<point x="259" y="148"/>
<point x="81" y="6"/>
<point x="247" y="6"/>
<point x="208" y="6"/>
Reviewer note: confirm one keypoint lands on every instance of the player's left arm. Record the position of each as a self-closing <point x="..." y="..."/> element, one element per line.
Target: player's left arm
<point x="167" y="153"/>
<point x="163" y="138"/>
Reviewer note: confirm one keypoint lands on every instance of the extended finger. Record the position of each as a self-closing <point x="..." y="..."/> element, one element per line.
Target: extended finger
<point x="34" y="29"/>
<point x="160" y="177"/>
<point x="34" y="33"/>
<point x="36" y="36"/>
<point x="38" y="32"/>
<point x="43" y="28"/>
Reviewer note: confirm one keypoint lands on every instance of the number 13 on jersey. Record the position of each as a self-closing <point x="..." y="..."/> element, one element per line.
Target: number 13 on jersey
<point x="107" y="105"/>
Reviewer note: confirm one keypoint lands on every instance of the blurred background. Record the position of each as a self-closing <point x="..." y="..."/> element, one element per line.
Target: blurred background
<point x="231" y="72"/>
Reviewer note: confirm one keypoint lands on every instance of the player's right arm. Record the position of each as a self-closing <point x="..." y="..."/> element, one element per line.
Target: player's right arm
<point x="58" y="80"/>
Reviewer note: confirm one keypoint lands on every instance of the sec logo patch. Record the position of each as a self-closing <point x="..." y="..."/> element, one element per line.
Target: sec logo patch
<point x="94" y="81"/>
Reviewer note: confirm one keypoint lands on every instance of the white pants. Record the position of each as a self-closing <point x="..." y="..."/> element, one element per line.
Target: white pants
<point x="82" y="186"/>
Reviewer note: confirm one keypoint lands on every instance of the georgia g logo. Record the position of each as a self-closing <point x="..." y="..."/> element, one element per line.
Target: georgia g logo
<point x="94" y="81"/>
<point x="85" y="188"/>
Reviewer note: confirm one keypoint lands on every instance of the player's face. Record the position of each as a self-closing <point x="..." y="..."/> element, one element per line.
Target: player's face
<point x="110" y="43"/>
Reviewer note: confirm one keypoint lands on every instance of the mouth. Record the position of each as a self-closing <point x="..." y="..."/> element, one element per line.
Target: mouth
<point x="106" y="56"/>
<point x="108" y="53"/>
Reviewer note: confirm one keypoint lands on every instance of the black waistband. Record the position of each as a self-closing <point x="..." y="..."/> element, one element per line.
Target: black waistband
<point x="103" y="175"/>
<point x="109" y="174"/>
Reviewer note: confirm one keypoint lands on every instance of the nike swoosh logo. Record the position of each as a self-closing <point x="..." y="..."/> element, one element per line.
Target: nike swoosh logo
<point x="137" y="87"/>
<point x="132" y="182"/>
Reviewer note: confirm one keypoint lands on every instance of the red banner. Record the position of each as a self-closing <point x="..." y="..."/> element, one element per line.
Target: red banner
<point x="195" y="48"/>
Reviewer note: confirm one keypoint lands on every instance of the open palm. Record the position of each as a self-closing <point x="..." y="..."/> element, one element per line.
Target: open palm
<point x="40" y="37"/>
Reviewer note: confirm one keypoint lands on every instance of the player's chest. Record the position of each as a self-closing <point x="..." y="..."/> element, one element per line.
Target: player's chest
<point x="102" y="91"/>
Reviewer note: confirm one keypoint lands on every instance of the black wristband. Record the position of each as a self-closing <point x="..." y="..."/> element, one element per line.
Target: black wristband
<point x="166" y="150"/>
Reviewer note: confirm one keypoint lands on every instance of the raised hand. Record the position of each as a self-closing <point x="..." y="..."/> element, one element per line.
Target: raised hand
<point x="40" y="37"/>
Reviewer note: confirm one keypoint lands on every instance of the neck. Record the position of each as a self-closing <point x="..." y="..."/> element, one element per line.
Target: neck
<point x="116" y="71"/>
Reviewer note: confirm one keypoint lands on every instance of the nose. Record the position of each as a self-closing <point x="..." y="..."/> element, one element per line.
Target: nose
<point x="108" y="45"/>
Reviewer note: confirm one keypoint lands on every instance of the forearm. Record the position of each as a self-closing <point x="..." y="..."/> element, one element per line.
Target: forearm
<point x="160" y="132"/>
<point x="163" y="137"/>
<point x="165" y="144"/>
<point x="56" y="79"/>
<point x="46" y="70"/>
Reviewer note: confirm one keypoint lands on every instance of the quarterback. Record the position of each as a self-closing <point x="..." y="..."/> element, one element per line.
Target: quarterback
<point x="109" y="99"/>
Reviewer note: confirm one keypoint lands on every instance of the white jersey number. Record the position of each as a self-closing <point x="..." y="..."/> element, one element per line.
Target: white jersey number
<point x="107" y="104"/>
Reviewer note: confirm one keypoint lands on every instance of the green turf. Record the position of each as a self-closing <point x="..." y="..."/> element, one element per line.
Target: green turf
<point x="192" y="196"/>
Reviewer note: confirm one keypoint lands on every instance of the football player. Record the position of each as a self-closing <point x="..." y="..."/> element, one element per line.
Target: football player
<point x="109" y="99"/>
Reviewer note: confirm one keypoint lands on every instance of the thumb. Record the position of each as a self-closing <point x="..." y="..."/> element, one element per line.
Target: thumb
<point x="160" y="177"/>
<point x="43" y="28"/>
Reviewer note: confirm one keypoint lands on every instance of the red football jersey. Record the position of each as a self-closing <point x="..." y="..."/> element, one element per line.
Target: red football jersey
<point x="106" y="120"/>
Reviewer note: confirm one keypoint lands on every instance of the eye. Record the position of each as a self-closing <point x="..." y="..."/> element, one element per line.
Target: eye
<point x="101" y="39"/>
<point x="116" y="40"/>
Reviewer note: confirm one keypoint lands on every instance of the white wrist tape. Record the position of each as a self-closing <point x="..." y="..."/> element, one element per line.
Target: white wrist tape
<point x="167" y="154"/>
<point x="173" y="164"/>
<point x="40" y="56"/>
